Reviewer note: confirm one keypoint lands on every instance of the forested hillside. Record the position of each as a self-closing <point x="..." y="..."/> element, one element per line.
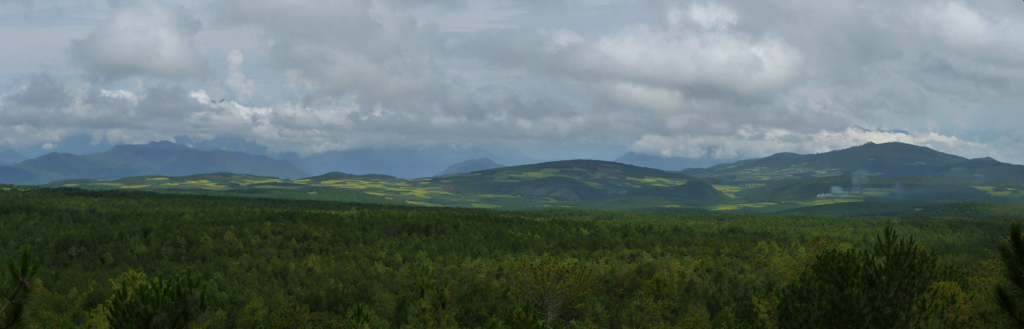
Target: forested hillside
<point x="785" y="182"/>
<point x="272" y="263"/>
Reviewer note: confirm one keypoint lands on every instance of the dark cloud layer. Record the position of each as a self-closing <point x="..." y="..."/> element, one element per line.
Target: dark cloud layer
<point x="720" y="79"/>
<point x="142" y="38"/>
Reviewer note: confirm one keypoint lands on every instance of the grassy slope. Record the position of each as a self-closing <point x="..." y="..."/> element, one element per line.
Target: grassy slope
<point x="888" y="159"/>
<point x="533" y="186"/>
<point x="783" y="182"/>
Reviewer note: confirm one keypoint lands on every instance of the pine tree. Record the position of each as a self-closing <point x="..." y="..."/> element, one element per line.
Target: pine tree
<point x="159" y="304"/>
<point x="880" y="288"/>
<point x="1011" y="298"/>
<point x="16" y="287"/>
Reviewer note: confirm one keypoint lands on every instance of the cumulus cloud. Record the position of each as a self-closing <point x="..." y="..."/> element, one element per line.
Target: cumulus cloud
<point x="752" y="142"/>
<point x="47" y="110"/>
<point x="142" y="37"/>
<point x="694" y="69"/>
<point x="698" y="49"/>
<point x="236" y="80"/>
<point x="350" y="47"/>
<point x="703" y="78"/>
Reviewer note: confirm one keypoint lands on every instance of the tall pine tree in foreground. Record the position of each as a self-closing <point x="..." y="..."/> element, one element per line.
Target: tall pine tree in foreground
<point x="1010" y="298"/>
<point x="159" y="304"/>
<point x="16" y="286"/>
<point x="884" y="287"/>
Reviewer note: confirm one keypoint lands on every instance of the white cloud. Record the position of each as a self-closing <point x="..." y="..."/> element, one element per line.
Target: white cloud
<point x="684" y="78"/>
<point x="142" y="37"/>
<point x="710" y="16"/>
<point x="698" y="49"/>
<point x="236" y="80"/>
<point x="361" y="47"/>
<point x="957" y="24"/>
<point x="754" y="142"/>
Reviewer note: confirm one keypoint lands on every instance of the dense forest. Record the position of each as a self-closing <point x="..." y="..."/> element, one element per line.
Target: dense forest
<point x="272" y="263"/>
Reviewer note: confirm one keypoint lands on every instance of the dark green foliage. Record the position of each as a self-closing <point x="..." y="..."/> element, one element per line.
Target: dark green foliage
<point x="550" y="286"/>
<point x="975" y="210"/>
<point x="171" y="304"/>
<point x="884" y="287"/>
<point x="864" y="209"/>
<point x="434" y="307"/>
<point x="361" y="316"/>
<point x="16" y="287"/>
<point x="1010" y="297"/>
<point x="275" y="263"/>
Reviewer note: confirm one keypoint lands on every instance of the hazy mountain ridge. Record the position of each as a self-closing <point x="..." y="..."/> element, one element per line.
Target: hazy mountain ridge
<point x="402" y="163"/>
<point x="399" y="162"/>
<point x="668" y="164"/>
<point x="576" y="180"/>
<point x="156" y="158"/>
<point x="168" y="158"/>
<point x="520" y="187"/>
<point x="781" y="182"/>
<point x="469" y="166"/>
<point x="888" y="160"/>
<point x="12" y="175"/>
<point x="11" y="157"/>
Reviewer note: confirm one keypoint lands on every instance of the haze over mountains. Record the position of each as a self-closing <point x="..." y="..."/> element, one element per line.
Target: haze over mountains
<point x="10" y="157"/>
<point x="398" y="162"/>
<point x="469" y="166"/>
<point x="401" y="163"/>
<point x="669" y="164"/>
<point x="156" y="158"/>
<point x="887" y="160"/>
<point x="170" y="159"/>
<point x="781" y="182"/>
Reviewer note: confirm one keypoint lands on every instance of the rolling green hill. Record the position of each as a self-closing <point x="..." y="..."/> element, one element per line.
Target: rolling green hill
<point x="891" y="172"/>
<point x="888" y="159"/>
<point x="986" y="170"/>
<point x="583" y="180"/>
<point x="922" y="188"/>
<point x="553" y="184"/>
<point x="883" y="160"/>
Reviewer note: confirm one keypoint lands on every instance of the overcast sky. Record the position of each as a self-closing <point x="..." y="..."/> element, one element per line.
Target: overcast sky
<point x="720" y="78"/>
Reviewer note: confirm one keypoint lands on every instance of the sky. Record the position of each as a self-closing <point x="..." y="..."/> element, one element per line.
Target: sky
<point x="721" y="79"/>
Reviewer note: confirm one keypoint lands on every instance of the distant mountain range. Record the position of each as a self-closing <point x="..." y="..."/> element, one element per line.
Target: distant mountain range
<point x="156" y="158"/>
<point x="550" y="184"/>
<point x="583" y="180"/>
<point x="10" y="157"/>
<point x="668" y="164"/>
<point x="886" y="160"/>
<point x="402" y="163"/>
<point x="469" y="166"/>
<point x="168" y="158"/>
<point x="781" y="182"/>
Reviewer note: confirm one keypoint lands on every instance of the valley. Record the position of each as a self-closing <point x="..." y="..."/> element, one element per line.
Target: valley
<point x="891" y="172"/>
<point x="724" y="246"/>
